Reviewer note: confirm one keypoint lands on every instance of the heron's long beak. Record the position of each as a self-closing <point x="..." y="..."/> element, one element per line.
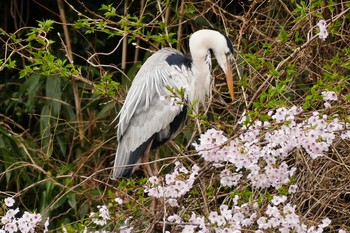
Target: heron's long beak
<point x="229" y="79"/>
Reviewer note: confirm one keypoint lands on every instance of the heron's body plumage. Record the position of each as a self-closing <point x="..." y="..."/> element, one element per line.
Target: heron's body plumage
<point x="148" y="113"/>
<point x="154" y="110"/>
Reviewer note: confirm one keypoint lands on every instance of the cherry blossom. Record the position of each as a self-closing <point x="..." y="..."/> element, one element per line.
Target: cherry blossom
<point x="26" y="223"/>
<point x="322" y="25"/>
<point x="9" y="201"/>
<point x="329" y="96"/>
<point x="229" y="179"/>
<point x="46" y="225"/>
<point x="292" y="188"/>
<point x="11" y="227"/>
<point x="101" y="217"/>
<point x="175" y="184"/>
<point x="126" y="230"/>
<point x="276" y="200"/>
<point x="174" y="218"/>
<point x="118" y="200"/>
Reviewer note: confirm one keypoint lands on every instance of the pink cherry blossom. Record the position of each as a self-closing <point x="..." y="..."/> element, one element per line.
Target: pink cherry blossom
<point x="9" y="201"/>
<point x="322" y="25"/>
<point x="329" y="95"/>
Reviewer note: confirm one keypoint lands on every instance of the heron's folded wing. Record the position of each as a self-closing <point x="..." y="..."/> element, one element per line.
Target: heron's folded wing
<point x="149" y="106"/>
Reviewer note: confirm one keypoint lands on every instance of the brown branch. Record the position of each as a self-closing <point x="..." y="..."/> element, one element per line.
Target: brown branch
<point x="76" y="93"/>
<point x="264" y="85"/>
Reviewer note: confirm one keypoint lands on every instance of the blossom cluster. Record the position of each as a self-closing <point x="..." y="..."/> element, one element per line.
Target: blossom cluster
<point x="278" y="215"/>
<point x="175" y="183"/>
<point x="260" y="145"/>
<point x="257" y="155"/>
<point x="101" y="218"/>
<point x="283" y="216"/>
<point x="25" y="223"/>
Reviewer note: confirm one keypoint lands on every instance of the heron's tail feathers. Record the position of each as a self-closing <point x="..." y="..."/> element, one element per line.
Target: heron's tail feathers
<point x="125" y="162"/>
<point x="121" y="162"/>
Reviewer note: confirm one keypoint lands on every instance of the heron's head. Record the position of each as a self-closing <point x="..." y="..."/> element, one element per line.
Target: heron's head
<point x="222" y="48"/>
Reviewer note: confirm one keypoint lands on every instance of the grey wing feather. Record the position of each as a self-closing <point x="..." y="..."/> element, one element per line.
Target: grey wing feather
<point x="147" y="110"/>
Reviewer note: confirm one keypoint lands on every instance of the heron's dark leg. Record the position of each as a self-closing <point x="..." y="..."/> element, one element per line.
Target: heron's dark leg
<point x="155" y="165"/>
<point x="145" y="161"/>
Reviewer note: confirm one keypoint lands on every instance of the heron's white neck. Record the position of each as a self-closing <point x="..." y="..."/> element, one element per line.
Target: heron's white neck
<point x="200" y="44"/>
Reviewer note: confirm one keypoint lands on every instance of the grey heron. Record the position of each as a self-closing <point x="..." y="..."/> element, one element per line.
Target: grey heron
<point x="153" y="111"/>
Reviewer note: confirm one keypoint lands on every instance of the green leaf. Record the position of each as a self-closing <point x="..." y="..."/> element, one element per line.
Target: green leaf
<point x="54" y="93"/>
<point x="27" y="70"/>
<point x="346" y="65"/>
<point x="72" y="200"/>
<point x="283" y="36"/>
<point x="275" y="72"/>
<point x="46" y="25"/>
